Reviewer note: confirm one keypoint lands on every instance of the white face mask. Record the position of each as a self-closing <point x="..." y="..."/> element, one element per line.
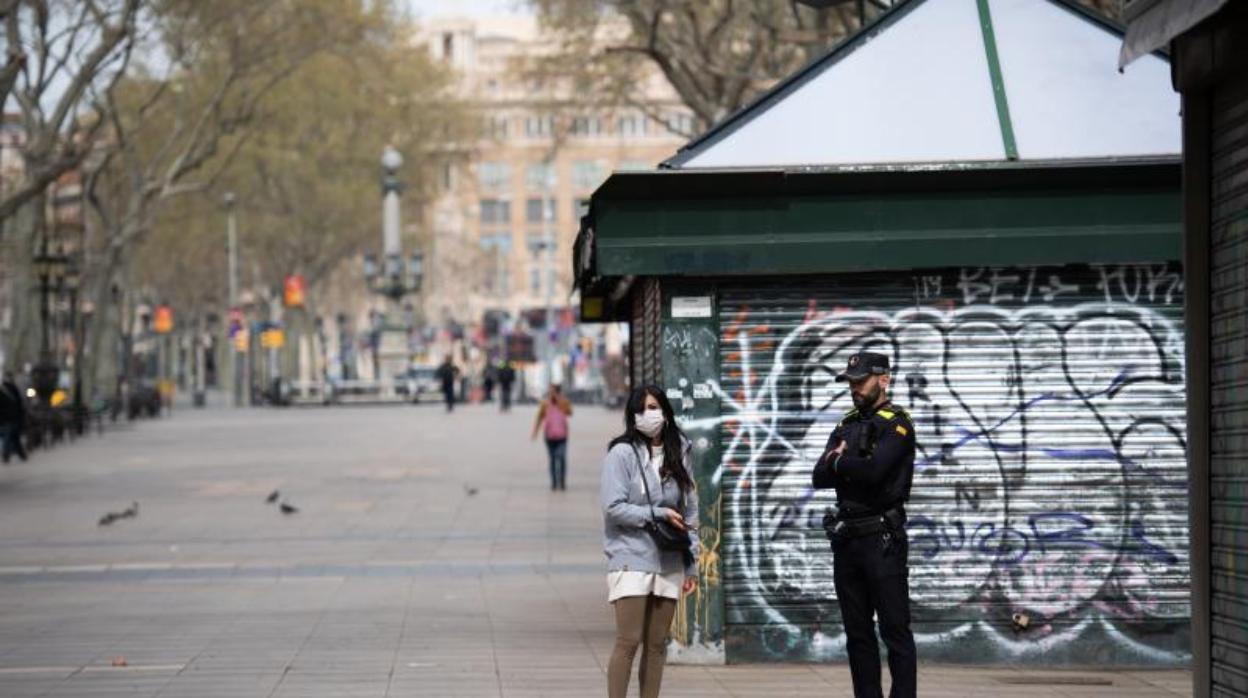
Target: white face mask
<point x="650" y="422"/>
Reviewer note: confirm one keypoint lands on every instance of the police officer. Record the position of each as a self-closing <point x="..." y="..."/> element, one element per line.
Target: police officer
<point x="869" y="459"/>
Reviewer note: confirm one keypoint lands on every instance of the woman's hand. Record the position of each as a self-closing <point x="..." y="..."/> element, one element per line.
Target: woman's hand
<point x="690" y="584"/>
<point x="674" y="518"/>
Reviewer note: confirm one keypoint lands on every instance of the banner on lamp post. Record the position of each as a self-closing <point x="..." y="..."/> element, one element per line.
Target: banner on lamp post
<point x="272" y="338"/>
<point x="162" y="319"/>
<point x="294" y="291"/>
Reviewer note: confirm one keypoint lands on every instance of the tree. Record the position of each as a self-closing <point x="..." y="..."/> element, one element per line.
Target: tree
<point x="176" y="124"/>
<point x="307" y="176"/>
<point x="717" y="55"/>
<point x="60" y="57"/>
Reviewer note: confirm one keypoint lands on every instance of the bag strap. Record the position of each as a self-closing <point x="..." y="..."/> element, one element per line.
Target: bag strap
<point x="643" y="463"/>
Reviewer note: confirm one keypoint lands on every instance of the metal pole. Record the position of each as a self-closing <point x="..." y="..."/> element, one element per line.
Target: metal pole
<point x="548" y="243"/>
<point x="231" y="233"/>
<point x="231" y="247"/>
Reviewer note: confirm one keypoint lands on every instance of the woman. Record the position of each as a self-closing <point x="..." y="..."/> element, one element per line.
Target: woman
<point x="643" y="581"/>
<point x="552" y="418"/>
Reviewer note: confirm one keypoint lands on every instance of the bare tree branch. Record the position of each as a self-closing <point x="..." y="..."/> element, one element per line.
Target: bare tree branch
<point x="58" y="143"/>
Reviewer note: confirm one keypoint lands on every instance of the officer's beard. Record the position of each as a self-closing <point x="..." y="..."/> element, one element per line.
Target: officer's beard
<point x="867" y="401"/>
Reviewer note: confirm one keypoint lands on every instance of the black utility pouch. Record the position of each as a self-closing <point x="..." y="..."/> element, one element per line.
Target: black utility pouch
<point x="833" y="528"/>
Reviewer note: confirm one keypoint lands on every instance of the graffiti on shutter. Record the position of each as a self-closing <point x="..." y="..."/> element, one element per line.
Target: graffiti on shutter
<point x="1050" y="478"/>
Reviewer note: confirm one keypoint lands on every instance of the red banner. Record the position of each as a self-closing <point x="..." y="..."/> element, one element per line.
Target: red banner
<point x="162" y="319"/>
<point x="294" y="291"/>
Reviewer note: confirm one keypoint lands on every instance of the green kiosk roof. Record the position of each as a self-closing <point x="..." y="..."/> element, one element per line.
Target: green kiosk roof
<point x="895" y="152"/>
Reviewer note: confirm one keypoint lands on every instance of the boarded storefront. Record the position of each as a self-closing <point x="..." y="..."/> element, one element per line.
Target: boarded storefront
<point x="1032" y="306"/>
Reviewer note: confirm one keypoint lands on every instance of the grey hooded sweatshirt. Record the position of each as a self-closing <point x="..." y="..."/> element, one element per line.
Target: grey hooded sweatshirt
<point x="625" y="512"/>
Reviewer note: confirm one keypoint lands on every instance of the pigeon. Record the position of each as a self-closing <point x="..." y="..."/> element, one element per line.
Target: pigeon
<point x="471" y="491"/>
<point x="273" y="497"/>
<point x="112" y="516"/>
<point x="289" y="509"/>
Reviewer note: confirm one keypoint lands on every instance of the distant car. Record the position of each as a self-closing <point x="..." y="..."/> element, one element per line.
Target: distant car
<point x="421" y="381"/>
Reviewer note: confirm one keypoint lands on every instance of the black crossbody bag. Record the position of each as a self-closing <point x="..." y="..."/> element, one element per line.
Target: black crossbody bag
<point x="665" y="535"/>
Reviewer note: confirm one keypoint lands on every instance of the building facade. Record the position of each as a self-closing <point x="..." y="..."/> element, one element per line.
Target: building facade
<point x="508" y="212"/>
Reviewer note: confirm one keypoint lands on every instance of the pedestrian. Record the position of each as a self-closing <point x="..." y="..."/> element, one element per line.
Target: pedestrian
<point x="447" y="373"/>
<point x="650" y="522"/>
<point x="487" y="381"/>
<point x="12" y="418"/>
<point x="506" y="376"/>
<point x="869" y="459"/>
<point x="552" y="418"/>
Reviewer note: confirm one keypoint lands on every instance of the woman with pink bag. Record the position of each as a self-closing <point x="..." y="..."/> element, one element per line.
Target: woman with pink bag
<point x="553" y="417"/>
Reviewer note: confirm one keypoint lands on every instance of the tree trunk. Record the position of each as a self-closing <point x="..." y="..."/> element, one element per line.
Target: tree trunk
<point x="22" y="342"/>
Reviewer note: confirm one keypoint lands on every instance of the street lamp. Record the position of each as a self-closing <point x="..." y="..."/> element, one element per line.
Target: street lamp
<point x="73" y="281"/>
<point x="393" y="277"/>
<point x="50" y="268"/>
<point x="237" y="324"/>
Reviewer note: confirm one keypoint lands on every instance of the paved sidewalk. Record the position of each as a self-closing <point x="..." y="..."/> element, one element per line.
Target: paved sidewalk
<point x="428" y="558"/>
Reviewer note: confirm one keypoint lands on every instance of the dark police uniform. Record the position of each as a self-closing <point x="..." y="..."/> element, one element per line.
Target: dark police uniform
<point x="872" y="480"/>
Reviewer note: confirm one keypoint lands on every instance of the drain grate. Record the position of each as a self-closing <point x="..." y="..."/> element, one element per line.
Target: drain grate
<point x="1036" y="680"/>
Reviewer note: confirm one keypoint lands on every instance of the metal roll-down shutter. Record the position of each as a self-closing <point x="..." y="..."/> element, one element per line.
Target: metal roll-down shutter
<point x="1050" y="479"/>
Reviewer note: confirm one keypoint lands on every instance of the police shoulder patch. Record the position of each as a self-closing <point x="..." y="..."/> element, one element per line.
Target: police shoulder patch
<point x="887" y="414"/>
<point x="902" y="430"/>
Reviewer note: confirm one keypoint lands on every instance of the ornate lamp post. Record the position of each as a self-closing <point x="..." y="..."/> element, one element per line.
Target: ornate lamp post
<point x="394" y="278"/>
<point x="73" y="281"/>
<point x="50" y="268"/>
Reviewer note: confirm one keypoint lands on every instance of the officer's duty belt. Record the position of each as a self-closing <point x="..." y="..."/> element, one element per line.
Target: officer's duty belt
<point x="870" y="525"/>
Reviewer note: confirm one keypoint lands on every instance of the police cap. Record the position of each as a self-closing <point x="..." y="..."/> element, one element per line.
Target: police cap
<point x="863" y="364"/>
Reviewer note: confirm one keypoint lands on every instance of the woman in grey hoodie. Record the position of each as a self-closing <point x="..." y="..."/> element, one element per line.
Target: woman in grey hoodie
<point x="644" y="582"/>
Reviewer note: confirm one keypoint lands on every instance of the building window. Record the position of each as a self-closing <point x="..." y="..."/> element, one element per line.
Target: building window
<point x="538" y="126"/>
<point x="535" y="280"/>
<point x="586" y="126"/>
<point x="448" y="177"/>
<point x="540" y="177"/>
<point x="448" y="46"/>
<point x="494" y="176"/>
<point x="627" y="125"/>
<point x="500" y="241"/>
<point x="494" y="211"/>
<point x="680" y="122"/>
<point x="587" y="174"/>
<point x="535" y="240"/>
<point x="496" y="127"/>
<point x="539" y="210"/>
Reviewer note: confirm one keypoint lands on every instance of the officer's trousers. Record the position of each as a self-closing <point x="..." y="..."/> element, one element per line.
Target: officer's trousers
<point x="873" y="581"/>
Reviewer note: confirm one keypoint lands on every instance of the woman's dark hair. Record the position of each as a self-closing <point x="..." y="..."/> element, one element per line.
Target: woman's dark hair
<point x="673" y="438"/>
